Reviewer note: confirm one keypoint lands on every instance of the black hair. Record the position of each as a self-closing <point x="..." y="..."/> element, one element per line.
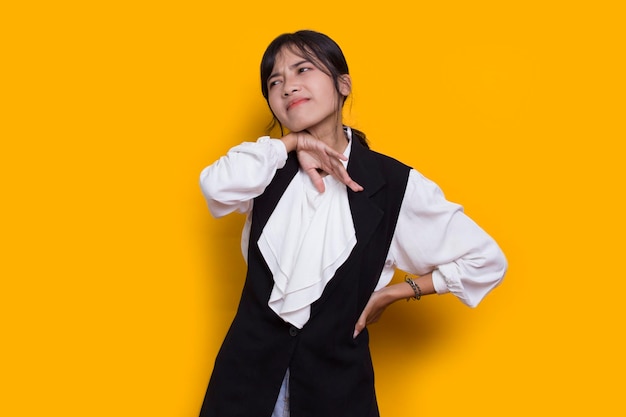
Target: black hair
<point x="321" y="50"/>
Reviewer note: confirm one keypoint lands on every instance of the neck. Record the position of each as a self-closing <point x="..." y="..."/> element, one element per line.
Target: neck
<point x="332" y="136"/>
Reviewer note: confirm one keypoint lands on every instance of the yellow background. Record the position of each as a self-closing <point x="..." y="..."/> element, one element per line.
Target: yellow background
<point x="117" y="286"/>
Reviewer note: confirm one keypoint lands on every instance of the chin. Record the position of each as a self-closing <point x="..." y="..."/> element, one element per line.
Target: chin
<point x="296" y="128"/>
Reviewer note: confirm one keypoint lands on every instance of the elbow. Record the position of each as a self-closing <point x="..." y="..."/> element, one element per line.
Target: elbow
<point x="211" y="193"/>
<point x="501" y="265"/>
<point x="488" y="274"/>
<point x="207" y="185"/>
<point x="492" y="264"/>
<point x="494" y="274"/>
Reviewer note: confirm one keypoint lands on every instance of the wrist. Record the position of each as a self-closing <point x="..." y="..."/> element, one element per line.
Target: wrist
<point x="417" y="290"/>
<point x="290" y="141"/>
<point x="395" y="292"/>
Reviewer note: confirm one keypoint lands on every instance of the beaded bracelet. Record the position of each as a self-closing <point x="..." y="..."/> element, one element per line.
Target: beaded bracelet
<point x="416" y="289"/>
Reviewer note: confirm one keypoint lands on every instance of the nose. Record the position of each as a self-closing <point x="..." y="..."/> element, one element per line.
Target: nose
<point x="289" y="88"/>
<point x="289" y="91"/>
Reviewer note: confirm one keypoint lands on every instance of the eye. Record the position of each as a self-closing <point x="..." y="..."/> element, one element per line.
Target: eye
<point x="304" y="69"/>
<point x="273" y="83"/>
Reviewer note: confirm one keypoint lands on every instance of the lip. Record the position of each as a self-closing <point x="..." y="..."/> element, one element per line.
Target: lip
<point x="296" y="102"/>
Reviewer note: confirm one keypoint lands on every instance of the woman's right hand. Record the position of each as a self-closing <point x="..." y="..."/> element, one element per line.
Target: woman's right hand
<point x="315" y="156"/>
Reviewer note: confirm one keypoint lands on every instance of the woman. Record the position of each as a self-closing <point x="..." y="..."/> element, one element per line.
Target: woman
<point x="328" y="222"/>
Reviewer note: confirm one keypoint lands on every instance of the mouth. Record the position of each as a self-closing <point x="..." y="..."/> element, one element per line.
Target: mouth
<point x="296" y="102"/>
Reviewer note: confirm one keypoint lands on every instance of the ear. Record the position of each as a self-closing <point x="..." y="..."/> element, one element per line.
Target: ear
<point x="345" y="85"/>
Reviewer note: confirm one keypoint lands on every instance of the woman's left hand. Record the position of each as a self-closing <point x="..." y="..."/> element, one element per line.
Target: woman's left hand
<point x="382" y="298"/>
<point x="374" y="309"/>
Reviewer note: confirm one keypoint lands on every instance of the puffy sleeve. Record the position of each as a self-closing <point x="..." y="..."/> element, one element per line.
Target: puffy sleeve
<point x="233" y="181"/>
<point x="434" y="235"/>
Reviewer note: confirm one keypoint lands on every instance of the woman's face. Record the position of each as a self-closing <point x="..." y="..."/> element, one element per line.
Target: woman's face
<point x="301" y="96"/>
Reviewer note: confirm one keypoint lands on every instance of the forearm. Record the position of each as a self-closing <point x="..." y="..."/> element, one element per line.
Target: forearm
<point x="382" y="298"/>
<point x="232" y="181"/>
<point x="404" y="291"/>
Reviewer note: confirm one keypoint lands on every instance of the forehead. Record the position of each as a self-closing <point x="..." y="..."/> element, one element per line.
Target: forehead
<point x="289" y="54"/>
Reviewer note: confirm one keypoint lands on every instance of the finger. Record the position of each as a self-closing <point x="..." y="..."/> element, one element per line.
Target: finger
<point x="316" y="178"/>
<point x="353" y="185"/>
<point x="338" y="155"/>
<point x="360" y="325"/>
<point x="374" y="319"/>
<point x="333" y="154"/>
<point x="340" y="173"/>
<point x="330" y="161"/>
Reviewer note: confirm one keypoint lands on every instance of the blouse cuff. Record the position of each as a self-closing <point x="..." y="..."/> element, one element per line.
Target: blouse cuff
<point x="448" y="274"/>
<point x="278" y="148"/>
<point x="439" y="282"/>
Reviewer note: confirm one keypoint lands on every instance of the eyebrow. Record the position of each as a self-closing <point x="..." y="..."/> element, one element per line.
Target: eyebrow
<point x="297" y="64"/>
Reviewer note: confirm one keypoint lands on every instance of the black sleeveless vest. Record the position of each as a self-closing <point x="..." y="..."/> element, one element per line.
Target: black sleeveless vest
<point x="331" y="373"/>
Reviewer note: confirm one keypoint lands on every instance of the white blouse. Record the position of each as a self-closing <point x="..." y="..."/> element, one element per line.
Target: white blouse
<point x="432" y="234"/>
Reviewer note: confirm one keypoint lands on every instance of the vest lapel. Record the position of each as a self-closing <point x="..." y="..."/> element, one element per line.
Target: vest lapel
<point x="265" y="204"/>
<point x="366" y="214"/>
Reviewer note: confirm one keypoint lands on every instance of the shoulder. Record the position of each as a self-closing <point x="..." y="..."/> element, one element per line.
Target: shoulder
<point x="389" y="161"/>
<point x="376" y="171"/>
<point x="369" y="156"/>
<point x="387" y="166"/>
